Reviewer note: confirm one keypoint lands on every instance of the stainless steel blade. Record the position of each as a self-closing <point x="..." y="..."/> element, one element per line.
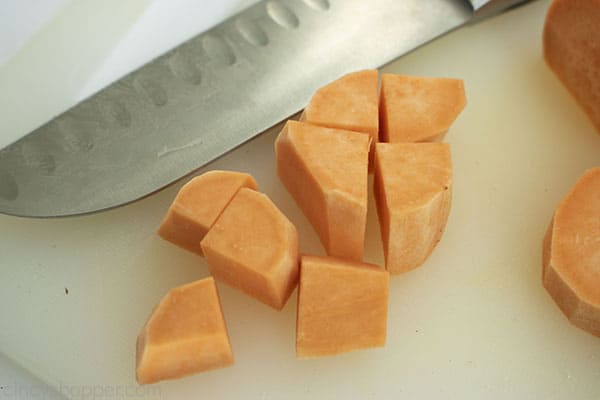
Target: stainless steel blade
<point x="206" y="97"/>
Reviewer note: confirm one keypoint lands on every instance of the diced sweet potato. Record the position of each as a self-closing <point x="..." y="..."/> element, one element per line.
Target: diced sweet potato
<point x="254" y="247"/>
<point x="325" y="171"/>
<point x="342" y="306"/>
<point x="418" y="109"/>
<point x="571" y="49"/>
<point x="185" y="334"/>
<point x="349" y="103"/>
<point x="413" y="184"/>
<point x="571" y="255"/>
<point x="198" y="204"/>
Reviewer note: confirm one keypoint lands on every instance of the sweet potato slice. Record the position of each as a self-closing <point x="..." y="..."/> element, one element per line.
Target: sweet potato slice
<point x="198" y="204"/>
<point x="571" y="254"/>
<point x="413" y="185"/>
<point x="571" y="50"/>
<point x="418" y="109"/>
<point x="342" y="306"/>
<point x="325" y="171"/>
<point x="185" y="334"/>
<point x="349" y="103"/>
<point x="254" y="247"/>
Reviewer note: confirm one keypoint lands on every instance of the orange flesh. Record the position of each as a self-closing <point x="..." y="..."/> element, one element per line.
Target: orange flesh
<point x="342" y="306"/>
<point x="349" y="103"/>
<point x="571" y="271"/>
<point x="418" y="109"/>
<point x="250" y="245"/>
<point x="413" y="185"/>
<point x="198" y="204"/>
<point x="185" y="334"/>
<point x="571" y="50"/>
<point x="253" y="247"/>
<point x="325" y="170"/>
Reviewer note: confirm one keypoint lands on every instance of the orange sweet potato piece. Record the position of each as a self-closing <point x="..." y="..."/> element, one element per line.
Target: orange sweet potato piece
<point x="571" y="254"/>
<point x="254" y="247"/>
<point x="413" y="184"/>
<point x="418" y="109"/>
<point x="325" y="171"/>
<point x="198" y="204"/>
<point x="570" y="39"/>
<point x="349" y="103"/>
<point x="342" y="306"/>
<point x="185" y="334"/>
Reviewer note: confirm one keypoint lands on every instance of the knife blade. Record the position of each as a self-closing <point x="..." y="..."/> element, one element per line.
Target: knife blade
<point x="210" y="95"/>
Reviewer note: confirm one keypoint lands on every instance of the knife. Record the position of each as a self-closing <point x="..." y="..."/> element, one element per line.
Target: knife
<point x="209" y="95"/>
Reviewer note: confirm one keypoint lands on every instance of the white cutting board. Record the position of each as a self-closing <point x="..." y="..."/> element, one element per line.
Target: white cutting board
<point x="474" y="322"/>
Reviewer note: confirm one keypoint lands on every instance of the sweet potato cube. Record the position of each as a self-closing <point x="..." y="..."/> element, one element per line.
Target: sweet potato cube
<point x="342" y="306"/>
<point x="185" y="334"/>
<point x="198" y="204"/>
<point x="571" y="256"/>
<point x="254" y="247"/>
<point x="413" y="183"/>
<point x="325" y="170"/>
<point x="349" y="103"/>
<point x="418" y="109"/>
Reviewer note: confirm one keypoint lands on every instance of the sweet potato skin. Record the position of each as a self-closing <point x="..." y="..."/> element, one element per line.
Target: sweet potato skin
<point x="570" y="46"/>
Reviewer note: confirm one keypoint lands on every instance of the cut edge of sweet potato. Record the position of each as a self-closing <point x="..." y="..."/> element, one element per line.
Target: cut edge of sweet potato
<point x="366" y="330"/>
<point x="568" y="253"/>
<point x="161" y="346"/>
<point x="411" y="227"/>
<point x="348" y="103"/>
<point x="253" y="247"/>
<point x="331" y="190"/>
<point x="192" y="214"/>
<point x="418" y="109"/>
